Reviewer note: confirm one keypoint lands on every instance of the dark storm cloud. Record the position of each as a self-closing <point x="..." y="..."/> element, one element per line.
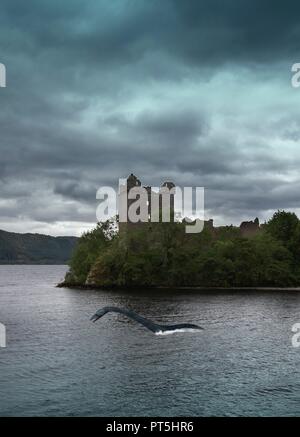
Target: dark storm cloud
<point x="225" y="31"/>
<point x="123" y="31"/>
<point x="194" y="91"/>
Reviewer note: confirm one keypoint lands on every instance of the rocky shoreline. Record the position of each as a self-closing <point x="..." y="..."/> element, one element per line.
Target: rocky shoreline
<point x="161" y="287"/>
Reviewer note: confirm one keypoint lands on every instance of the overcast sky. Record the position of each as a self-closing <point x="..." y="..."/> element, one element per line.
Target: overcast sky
<point x="196" y="91"/>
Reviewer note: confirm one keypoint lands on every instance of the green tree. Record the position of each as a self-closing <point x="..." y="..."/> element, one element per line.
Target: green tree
<point x="164" y="254"/>
<point x="282" y="226"/>
<point x="87" y="250"/>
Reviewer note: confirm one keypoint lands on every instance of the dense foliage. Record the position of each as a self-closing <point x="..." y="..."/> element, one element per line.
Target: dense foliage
<point x="162" y="254"/>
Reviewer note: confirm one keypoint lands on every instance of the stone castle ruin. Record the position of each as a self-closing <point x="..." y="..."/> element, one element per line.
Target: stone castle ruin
<point x="250" y="228"/>
<point x="152" y="204"/>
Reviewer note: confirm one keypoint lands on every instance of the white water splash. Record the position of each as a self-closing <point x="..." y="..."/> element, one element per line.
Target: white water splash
<point x="174" y="331"/>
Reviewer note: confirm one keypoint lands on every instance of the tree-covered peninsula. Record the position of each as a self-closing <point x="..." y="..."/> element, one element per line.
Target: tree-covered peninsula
<point x="164" y="255"/>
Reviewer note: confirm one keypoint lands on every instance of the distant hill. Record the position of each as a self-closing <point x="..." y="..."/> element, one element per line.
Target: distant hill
<point x="35" y="248"/>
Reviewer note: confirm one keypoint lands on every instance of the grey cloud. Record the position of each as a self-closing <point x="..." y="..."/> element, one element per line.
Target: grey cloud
<point x="99" y="89"/>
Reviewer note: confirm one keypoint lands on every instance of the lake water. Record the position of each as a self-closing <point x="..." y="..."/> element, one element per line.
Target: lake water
<point x="59" y="363"/>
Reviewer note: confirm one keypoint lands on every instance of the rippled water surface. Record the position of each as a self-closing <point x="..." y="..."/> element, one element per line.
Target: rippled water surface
<point x="59" y="363"/>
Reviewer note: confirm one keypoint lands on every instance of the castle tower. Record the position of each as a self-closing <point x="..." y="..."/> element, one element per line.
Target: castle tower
<point x="125" y="203"/>
<point x="170" y="193"/>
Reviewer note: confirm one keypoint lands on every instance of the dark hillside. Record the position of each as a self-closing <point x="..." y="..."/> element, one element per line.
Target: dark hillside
<point x="35" y="248"/>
